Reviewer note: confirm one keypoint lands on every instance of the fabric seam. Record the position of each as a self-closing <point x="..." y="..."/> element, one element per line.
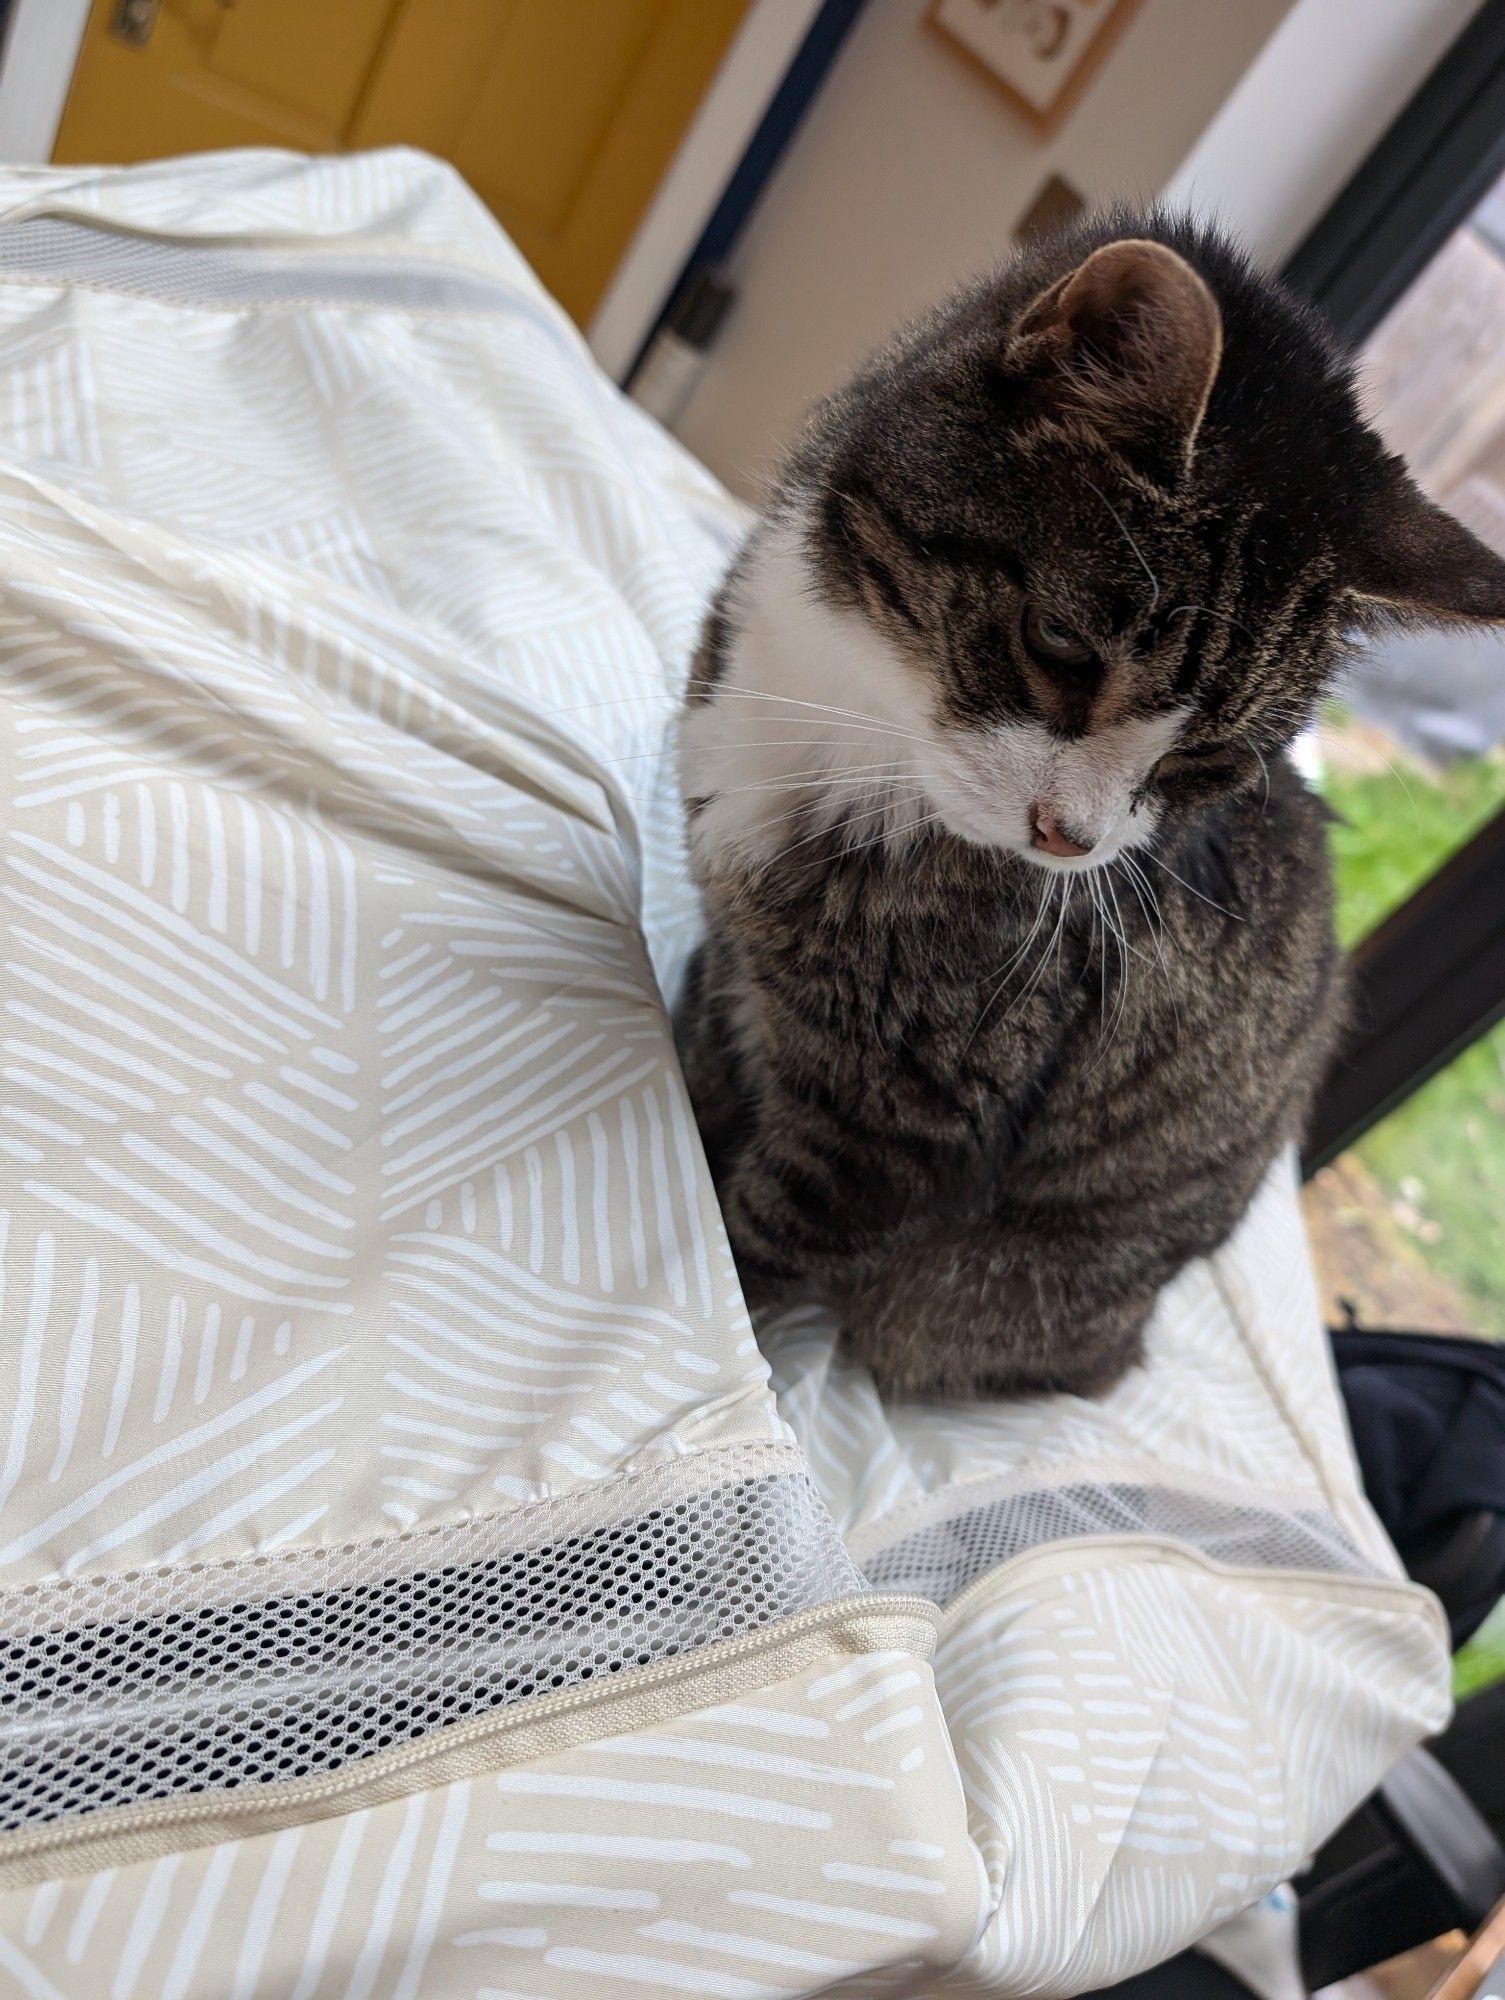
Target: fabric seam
<point x="1400" y="1594"/>
<point x="575" y="1715"/>
<point x="763" y="1452"/>
<point x="40" y="281"/>
<point x="966" y="1496"/>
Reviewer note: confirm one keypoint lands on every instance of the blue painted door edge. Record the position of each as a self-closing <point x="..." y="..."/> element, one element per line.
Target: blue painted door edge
<point x="765" y="149"/>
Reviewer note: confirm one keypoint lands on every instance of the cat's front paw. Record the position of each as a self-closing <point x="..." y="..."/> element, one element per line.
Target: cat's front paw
<point x="948" y="1325"/>
<point x="909" y="1358"/>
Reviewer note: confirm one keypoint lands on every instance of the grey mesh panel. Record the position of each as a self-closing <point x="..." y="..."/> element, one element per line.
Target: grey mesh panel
<point x="146" y="1702"/>
<point x="945" y="1557"/>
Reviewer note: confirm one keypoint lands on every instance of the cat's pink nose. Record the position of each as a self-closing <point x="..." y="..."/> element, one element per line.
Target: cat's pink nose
<point x="1047" y="833"/>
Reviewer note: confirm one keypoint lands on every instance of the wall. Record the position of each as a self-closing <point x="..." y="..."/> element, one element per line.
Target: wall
<point x="1329" y="81"/>
<point x="909" y="172"/>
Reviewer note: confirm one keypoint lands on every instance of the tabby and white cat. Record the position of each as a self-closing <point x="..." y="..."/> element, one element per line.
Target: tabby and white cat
<point x="1019" y="965"/>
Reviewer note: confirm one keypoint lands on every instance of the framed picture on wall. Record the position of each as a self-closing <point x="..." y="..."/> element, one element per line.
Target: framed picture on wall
<point x="1041" y="53"/>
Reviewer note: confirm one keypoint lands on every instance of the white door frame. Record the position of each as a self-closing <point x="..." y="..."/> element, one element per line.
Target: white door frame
<point x="743" y="87"/>
<point x="42" y="39"/>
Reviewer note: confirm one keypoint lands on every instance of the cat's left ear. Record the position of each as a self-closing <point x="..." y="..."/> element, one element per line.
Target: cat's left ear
<point x="1420" y="563"/>
<point x="1130" y="342"/>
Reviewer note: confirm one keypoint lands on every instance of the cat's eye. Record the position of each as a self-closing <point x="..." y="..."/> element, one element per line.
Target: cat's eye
<point x="1053" y="644"/>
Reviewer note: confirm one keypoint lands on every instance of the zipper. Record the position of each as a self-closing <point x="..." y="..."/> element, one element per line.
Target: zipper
<point x="255" y="1800"/>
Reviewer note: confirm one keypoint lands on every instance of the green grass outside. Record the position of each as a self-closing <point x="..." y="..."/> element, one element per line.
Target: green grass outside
<point x="1396" y="828"/>
<point x="1481" y="1662"/>
<point x="1442" y="1152"/>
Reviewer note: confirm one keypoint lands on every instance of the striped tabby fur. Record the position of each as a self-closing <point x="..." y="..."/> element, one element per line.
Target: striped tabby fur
<point x="1019" y="965"/>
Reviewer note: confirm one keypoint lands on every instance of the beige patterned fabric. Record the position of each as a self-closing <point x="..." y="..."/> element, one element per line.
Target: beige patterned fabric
<point x="411" y="1580"/>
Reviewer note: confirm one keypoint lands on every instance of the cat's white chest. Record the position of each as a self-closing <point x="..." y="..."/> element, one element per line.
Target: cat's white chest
<point x="814" y="719"/>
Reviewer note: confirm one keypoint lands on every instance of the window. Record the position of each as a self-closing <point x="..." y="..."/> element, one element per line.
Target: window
<point x="1407" y="1202"/>
<point x="1408" y="1224"/>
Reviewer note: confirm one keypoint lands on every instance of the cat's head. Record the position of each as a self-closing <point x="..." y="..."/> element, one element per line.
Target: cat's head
<point x="1112" y="518"/>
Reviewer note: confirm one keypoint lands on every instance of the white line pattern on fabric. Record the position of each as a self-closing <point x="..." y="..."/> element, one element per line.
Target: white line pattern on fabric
<point x="351" y="1199"/>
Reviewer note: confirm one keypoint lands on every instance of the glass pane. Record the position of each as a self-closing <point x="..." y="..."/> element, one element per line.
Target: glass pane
<point x="1411" y="757"/>
<point x="1409" y="1225"/>
<point x="1482" y="1661"/>
<point x="1400" y="814"/>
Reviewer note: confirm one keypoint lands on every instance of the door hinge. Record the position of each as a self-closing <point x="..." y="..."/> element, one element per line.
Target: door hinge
<point x="134" y="21"/>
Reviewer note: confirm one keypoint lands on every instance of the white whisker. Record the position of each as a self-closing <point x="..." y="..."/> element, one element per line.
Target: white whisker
<point x="1121" y="932"/>
<point x="831" y="771"/>
<point x="852" y="819"/>
<point x="1265" y="800"/>
<point x="1120" y="929"/>
<point x="1046" y="891"/>
<point x="849" y="779"/>
<point x="1226" y="616"/>
<point x="1053" y="940"/>
<point x="1142" y="886"/>
<point x="1139" y="552"/>
<point x="909" y="826"/>
<point x="820" y="707"/>
<point x="1208" y="900"/>
<point x="1061" y="935"/>
<point x="849" y="717"/>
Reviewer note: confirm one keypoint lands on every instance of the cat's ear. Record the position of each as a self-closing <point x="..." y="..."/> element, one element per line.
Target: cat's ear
<point x="1420" y="563"/>
<point x="1130" y="340"/>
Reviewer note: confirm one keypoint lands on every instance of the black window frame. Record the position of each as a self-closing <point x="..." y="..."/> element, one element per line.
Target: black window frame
<point x="1431" y="978"/>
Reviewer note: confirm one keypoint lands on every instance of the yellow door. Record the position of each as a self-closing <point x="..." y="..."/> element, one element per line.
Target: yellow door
<point x="562" y="114"/>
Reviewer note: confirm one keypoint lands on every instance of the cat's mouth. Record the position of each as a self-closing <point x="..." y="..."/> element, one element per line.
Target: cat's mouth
<point x="1065" y="806"/>
<point x="1045" y="832"/>
<point x="1051" y="860"/>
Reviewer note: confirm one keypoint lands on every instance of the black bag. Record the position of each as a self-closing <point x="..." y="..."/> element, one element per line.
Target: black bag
<point x="1428" y="1418"/>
